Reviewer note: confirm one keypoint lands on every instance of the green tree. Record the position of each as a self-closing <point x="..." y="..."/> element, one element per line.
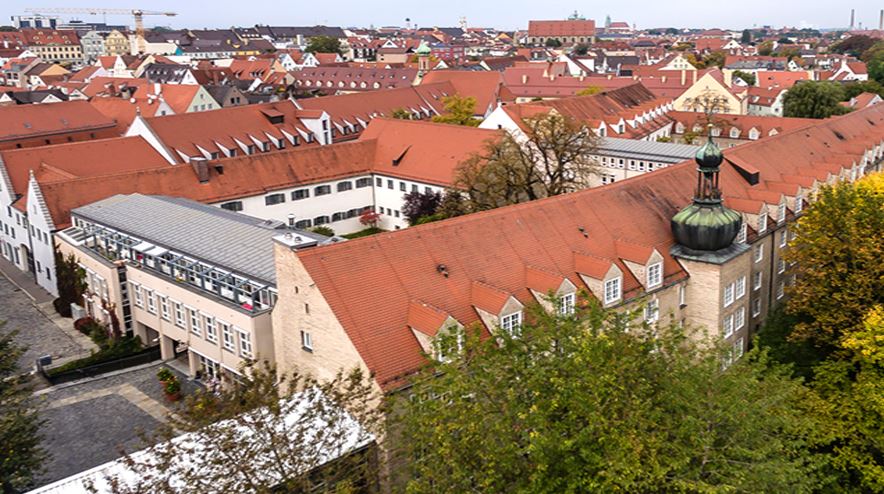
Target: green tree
<point x="599" y="403"/>
<point x="766" y="48"/>
<point x="854" y="89"/>
<point x="553" y="43"/>
<point x="458" y="110"/>
<point x="814" y="99"/>
<point x="875" y="66"/>
<point x="747" y="77"/>
<point x="402" y="114"/>
<point x="325" y="44"/>
<point x="21" y="456"/>
<point x="581" y="49"/>
<point x="714" y="59"/>
<point x="270" y="432"/>
<point x="837" y="255"/>
<point x="854" y="45"/>
<point x="589" y="91"/>
<point x="70" y="279"/>
<point x="552" y="156"/>
<point x="746" y="37"/>
<point x="323" y="230"/>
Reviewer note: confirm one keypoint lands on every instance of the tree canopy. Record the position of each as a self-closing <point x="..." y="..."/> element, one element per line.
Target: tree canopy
<point x="554" y="157"/>
<point x="747" y="77"/>
<point x="418" y="205"/>
<point x="814" y="99"/>
<point x="268" y="433"/>
<point x="458" y="110"/>
<point x="325" y="44"/>
<point x="21" y="456"/>
<point x="599" y="402"/>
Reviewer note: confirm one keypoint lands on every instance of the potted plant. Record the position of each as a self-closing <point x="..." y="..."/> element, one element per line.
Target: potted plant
<point x="172" y="389"/>
<point x="165" y="375"/>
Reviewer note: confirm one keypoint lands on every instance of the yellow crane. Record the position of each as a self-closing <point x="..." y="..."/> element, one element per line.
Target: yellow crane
<point x="138" y="14"/>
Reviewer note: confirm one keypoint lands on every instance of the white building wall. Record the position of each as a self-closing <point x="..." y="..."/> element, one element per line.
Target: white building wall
<point x="40" y="232"/>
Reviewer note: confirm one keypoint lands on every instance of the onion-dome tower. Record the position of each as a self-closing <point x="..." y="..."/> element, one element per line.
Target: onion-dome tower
<point x="706" y="225"/>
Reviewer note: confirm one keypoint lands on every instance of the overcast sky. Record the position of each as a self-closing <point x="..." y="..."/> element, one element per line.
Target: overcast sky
<point x="509" y="14"/>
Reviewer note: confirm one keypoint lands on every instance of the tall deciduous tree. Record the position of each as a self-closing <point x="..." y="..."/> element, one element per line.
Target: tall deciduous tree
<point x="814" y="99"/>
<point x="267" y="433"/>
<point x="70" y="279"/>
<point x="458" y="110"/>
<point x="837" y="256"/>
<point x="325" y="44"/>
<point x="420" y="204"/>
<point x="21" y="456"/>
<point x="553" y="155"/>
<point x="598" y="403"/>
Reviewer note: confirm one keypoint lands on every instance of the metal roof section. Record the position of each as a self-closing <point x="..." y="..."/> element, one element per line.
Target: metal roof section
<point x="663" y="152"/>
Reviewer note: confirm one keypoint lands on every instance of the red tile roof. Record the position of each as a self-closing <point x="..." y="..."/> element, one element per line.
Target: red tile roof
<point x="743" y="123"/>
<point x="561" y="28"/>
<point x="492" y="248"/>
<point x="334" y="78"/>
<point x="23" y="122"/>
<point x="487" y="87"/>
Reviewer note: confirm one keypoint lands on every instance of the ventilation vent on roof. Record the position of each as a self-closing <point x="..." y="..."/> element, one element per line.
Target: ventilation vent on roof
<point x="839" y="135"/>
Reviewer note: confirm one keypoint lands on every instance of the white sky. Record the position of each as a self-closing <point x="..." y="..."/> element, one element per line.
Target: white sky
<point x="510" y="14"/>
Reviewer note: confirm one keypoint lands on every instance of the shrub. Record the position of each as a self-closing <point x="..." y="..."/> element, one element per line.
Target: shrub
<point x="123" y="348"/>
<point x="172" y="386"/>
<point x="84" y="325"/>
<point x="165" y="375"/>
<point x="323" y="230"/>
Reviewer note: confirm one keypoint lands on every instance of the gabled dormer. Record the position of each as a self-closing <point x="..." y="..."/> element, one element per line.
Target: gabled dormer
<point x="603" y="277"/>
<point x="498" y="309"/>
<point x="645" y="263"/>
<point x="543" y="283"/>
<point x="439" y="334"/>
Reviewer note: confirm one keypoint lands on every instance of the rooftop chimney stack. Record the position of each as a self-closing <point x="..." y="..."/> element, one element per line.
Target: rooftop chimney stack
<point x="852" y="18"/>
<point x="881" y="21"/>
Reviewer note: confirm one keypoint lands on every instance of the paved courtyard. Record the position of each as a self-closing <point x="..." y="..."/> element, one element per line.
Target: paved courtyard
<point x="35" y="331"/>
<point x="89" y="423"/>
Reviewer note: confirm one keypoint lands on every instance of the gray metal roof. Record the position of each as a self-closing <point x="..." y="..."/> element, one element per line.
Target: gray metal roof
<point x="228" y="240"/>
<point x="663" y="152"/>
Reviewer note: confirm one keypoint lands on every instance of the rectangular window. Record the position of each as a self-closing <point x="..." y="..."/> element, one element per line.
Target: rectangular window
<point x="781" y="289"/>
<point x="762" y="223"/>
<point x="728" y="325"/>
<point x="179" y="315"/>
<point x="390" y="184"/>
<point x="307" y="341"/>
<point x="612" y="290"/>
<point x="756" y="280"/>
<point x="232" y="206"/>
<point x="211" y="329"/>
<point x="799" y="204"/>
<point x="299" y="194"/>
<point x="681" y="296"/>
<point x="566" y="304"/>
<point x="652" y="311"/>
<point x="322" y="190"/>
<point x="759" y="253"/>
<point x="137" y="295"/>
<point x="756" y="307"/>
<point x="739" y="318"/>
<point x="511" y="323"/>
<point x="781" y="266"/>
<point x="274" y="199"/>
<point x="245" y="344"/>
<point x="195" y="322"/>
<point x="740" y="288"/>
<point x="729" y="294"/>
<point x="164" y="308"/>
<point x="781" y="213"/>
<point x="227" y="336"/>
<point x="655" y="274"/>
<point x="151" y="302"/>
<point x="738" y="348"/>
<point x="363" y="182"/>
<point x="378" y="182"/>
<point x="784" y="237"/>
<point x="741" y="238"/>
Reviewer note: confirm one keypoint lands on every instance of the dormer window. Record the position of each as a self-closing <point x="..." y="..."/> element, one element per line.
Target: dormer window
<point x="446" y="346"/>
<point x="511" y="323"/>
<point x="566" y="304"/>
<point x="741" y="237"/>
<point x="799" y="203"/>
<point x="612" y="290"/>
<point x="762" y="223"/>
<point x="781" y="213"/>
<point x="655" y="275"/>
<point x="734" y="133"/>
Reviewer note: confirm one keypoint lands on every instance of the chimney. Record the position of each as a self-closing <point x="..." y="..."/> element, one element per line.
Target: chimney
<point x="201" y="167"/>
<point x="852" y="18"/>
<point x="157" y="88"/>
<point x="881" y="21"/>
<point x="524" y="78"/>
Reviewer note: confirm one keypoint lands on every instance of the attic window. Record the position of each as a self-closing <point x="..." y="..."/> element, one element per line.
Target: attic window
<point x="612" y="290"/>
<point x="512" y="323"/>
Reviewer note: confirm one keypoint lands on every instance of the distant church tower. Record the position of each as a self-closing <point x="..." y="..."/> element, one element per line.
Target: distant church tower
<point x="423" y="58"/>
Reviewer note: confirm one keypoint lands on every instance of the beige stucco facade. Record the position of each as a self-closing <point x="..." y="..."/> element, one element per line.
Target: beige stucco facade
<point x="711" y="86"/>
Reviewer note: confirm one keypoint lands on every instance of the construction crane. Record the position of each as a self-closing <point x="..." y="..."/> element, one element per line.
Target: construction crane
<point x="138" y="14"/>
